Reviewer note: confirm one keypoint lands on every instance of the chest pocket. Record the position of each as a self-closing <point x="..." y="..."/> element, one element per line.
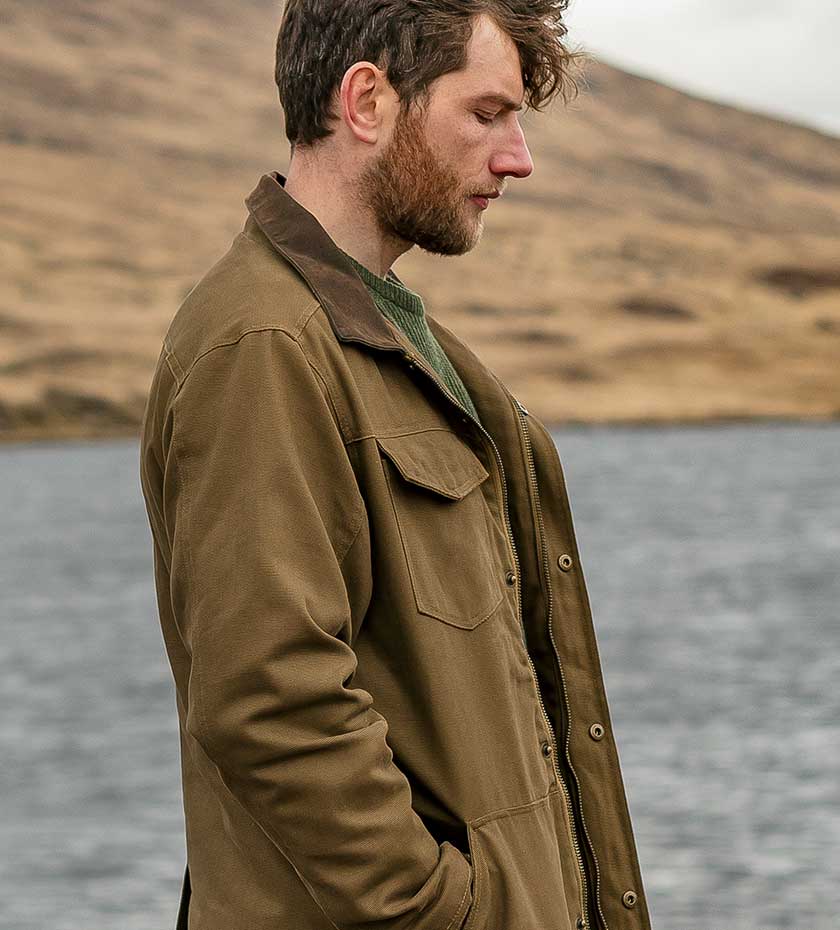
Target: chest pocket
<point x="445" y="526"/>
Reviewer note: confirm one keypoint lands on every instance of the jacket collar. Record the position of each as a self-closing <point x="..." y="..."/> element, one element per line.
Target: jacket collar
<point x="298" y="236"/>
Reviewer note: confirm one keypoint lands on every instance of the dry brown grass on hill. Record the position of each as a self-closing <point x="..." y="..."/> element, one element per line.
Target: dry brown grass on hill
<point x="669" y="259"/>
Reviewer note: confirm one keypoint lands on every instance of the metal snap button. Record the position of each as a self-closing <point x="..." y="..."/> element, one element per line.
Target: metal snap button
<point x="565" y="562"/>
<point x="628" y="899"/>
<point x="547" y="749"/>
<point x="596" y="731"/>
<point x="510" y="578"/>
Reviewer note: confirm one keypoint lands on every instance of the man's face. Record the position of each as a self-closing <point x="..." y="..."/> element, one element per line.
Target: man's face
<point x="420" y="187"/>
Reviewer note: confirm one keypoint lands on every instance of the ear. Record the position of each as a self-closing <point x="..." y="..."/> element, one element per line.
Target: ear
<point x="365" y="101"/>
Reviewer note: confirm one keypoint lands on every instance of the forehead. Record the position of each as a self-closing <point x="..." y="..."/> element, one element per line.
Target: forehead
<point x="493" y="69"/>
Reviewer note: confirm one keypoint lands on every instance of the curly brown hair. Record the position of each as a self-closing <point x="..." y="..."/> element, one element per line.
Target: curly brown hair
<point x="414" y="42"/>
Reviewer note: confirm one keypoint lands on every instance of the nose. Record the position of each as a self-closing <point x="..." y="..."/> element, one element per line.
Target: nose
<point x="513" y="156"/>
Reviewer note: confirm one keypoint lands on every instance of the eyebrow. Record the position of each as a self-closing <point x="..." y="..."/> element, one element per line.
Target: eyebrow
<point x="503" y="101"/>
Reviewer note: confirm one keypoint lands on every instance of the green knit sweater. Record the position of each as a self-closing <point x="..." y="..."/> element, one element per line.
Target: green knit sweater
<point x="405" y="309"/>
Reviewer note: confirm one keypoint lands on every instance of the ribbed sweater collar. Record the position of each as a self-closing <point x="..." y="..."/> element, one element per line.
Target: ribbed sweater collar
<point x="390" y="288"/>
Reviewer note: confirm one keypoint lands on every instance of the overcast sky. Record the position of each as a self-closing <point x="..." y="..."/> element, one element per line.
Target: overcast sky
<point x="780" y="58"/>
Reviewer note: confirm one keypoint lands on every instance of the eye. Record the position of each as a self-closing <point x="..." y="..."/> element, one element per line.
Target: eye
<point x="484" y="120"/>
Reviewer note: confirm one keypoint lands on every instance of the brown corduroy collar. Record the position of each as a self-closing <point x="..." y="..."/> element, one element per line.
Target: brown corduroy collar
<point x="294" y="232"/>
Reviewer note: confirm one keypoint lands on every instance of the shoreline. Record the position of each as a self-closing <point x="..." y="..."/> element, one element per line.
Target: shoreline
<point x="92" y="436"/>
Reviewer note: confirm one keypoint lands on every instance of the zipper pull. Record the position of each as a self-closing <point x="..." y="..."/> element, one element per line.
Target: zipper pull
<point x="521" y="406"/>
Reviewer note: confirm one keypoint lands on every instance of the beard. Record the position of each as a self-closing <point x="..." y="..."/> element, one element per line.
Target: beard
<point x="415" y="197"/>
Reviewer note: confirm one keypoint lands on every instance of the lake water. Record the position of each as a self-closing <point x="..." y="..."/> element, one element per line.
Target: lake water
<point x="712" y="556"/>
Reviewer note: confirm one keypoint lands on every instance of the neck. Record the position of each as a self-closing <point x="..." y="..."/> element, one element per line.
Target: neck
<point x="349" y="222"/>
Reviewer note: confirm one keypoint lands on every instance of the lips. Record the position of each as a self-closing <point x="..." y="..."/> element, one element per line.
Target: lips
<point x="483" y="200"/>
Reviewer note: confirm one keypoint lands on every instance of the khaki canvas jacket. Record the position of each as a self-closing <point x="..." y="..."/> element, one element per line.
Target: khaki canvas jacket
<point x="392" y="715"/>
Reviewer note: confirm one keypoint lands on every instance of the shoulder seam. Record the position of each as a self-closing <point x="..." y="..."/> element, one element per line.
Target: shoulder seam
<point x="354" y="526"/>
<point x="293" y="334"/>
<point x="329" y="387"/>
<point x="328" y="394"/>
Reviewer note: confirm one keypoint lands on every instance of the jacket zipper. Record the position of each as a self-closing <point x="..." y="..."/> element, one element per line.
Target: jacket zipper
<point x="522" y="412"/>
<point x="421" y="365"/>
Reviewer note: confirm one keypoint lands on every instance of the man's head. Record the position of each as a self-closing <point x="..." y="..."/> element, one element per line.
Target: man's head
<point x="397" y="98"/>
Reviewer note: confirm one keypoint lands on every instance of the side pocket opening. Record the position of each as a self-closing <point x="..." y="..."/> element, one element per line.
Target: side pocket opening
<point x="518" y="871"/>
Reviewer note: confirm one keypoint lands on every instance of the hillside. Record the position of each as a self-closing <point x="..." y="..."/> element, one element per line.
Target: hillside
<point x="669" y="259"/>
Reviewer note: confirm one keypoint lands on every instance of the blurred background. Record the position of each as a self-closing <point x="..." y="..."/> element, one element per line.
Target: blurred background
<point x="664" y="291"/>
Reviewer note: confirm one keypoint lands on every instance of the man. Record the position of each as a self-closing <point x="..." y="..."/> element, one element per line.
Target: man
<point x="391" y="707"/>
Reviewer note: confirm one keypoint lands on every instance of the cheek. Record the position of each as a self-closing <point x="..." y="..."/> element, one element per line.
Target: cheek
<point x="467" y="149"/>
<point x="473" y="136"/>
<point x="459" y="148"/>
<point x="457" y="138"/>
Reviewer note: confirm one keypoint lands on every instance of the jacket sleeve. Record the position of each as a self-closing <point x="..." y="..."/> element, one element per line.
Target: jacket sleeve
<point x="263" y="516"/>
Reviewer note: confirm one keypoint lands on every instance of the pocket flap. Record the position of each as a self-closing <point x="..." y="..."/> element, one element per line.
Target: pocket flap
<point x="435" y="459"/>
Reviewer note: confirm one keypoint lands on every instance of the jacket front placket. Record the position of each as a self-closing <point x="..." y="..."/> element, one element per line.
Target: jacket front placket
<point x="543" y="556"/>
<point x="416" y="362"/>
<point x="509" y="419"/>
